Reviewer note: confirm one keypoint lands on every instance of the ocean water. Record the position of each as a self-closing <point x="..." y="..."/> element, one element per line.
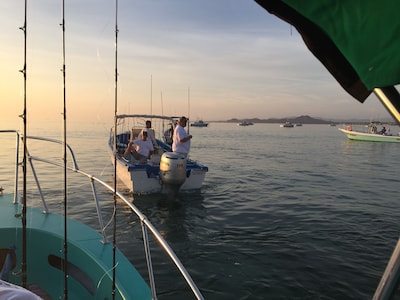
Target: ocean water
<point x="284" y="213"/>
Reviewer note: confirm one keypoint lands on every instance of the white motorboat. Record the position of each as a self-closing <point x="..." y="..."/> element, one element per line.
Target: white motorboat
<point x="164" y="170"/>
<point x="199" y="123"/>
<point x="245" y="123"/>
<point x="371" y="136"/>
<point x="287" y="124"/>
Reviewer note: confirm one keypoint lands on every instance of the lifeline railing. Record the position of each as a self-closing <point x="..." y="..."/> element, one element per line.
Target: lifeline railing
<point x="145" y="223"/>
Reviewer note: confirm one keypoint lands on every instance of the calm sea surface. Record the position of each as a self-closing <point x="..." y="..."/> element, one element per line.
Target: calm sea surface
<point x="285" y="213"/>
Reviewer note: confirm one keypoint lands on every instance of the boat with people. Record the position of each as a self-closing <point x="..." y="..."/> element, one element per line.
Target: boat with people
<point x="164" y="170"/>
<point x="372" y="134"/>
<point x="287" y="124"/>
<point x="199" y="123"/>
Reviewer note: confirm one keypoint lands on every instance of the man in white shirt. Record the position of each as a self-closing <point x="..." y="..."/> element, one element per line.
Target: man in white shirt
<point x="140" y="149"/>
<point x="181" y="139"/>
<point x="150" y="134"/>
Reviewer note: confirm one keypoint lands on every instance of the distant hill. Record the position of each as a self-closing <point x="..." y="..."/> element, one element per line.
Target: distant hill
<point x="294" y="120"/>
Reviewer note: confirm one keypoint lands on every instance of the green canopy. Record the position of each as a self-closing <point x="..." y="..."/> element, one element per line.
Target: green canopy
<point x="358" y="41"/>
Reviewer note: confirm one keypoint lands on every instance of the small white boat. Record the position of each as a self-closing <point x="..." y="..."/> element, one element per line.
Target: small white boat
<point x="245" y="123"/>
<point x="371" y="136"/>
<point x="287" y="124"/>
<point x="164" y="170"/>
<point x="199" y="123"/>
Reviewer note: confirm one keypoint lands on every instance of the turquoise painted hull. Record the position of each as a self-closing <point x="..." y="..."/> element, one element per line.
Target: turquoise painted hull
<point x="370" y="137"/>
<point x="90" y="260"/>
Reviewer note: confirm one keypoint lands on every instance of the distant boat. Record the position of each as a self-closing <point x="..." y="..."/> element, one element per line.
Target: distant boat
<point x="199" y="123"/>
<point x="287" y="124"/>
<point x="332" y="124"/>
<point x="299" y="124"/>
<point x="245" y="123"/>
<point x="371" y="136"/>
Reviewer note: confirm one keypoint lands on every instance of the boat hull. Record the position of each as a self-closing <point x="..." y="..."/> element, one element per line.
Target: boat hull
<point x="370" y="137"/>
<point x="287" y="125"/>
<point x="145" y="178"/>
<point x="199" y="124"/>
<point x="245" y="123"/>
<point x="89" y="260"/>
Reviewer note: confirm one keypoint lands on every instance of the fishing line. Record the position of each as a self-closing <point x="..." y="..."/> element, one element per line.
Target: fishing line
<point x="104" y="275"/>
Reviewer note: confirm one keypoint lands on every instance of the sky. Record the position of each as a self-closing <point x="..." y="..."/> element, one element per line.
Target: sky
<point x="210" y="60"/>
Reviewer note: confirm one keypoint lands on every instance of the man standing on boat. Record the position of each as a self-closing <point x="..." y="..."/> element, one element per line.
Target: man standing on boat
<point x="181" y="139"/>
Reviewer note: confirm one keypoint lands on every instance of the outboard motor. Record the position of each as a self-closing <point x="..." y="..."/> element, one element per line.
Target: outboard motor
<point x="173" y="169"/>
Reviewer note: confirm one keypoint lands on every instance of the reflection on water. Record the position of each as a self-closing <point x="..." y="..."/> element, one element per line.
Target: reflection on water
<point x="299" y="213"/>
<point x="172" y="213"/>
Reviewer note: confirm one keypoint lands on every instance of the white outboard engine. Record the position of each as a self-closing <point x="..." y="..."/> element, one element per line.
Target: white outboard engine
<point x="173" y="169"/>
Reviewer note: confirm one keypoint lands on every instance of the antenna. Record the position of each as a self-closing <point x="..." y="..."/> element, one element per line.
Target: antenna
<point x="188" y="125"/>
<point x="189" y="103"/>
<point x="151" y="94"/>
<point x="162" y="105"/>
<point x="162" y="113"/>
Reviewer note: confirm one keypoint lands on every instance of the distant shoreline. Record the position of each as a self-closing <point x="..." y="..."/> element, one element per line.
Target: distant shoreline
<point x="302" y="120"/>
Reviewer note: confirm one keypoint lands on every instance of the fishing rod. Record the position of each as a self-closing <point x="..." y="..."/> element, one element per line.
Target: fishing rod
<point x="115" y="152"/>
<point x="65" y="247"/>
<point x="24" y="118"/>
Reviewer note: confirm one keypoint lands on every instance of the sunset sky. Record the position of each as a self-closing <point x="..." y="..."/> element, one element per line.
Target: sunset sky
<point x="211" y="60"/>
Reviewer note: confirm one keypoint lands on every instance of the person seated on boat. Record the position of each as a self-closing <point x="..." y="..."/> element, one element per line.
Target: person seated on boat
<point x="150" y="133"/>
<point x="181" y="139"/>
<point x="139" y="149"/>
<point x="383" y="130"/>
<point x="373" y="129"/>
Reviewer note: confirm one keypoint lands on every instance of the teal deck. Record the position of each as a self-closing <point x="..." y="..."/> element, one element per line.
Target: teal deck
<point x="90" y="261"/>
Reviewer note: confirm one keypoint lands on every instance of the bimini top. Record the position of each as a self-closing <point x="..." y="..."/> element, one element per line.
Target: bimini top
<point x="357" y="41"/>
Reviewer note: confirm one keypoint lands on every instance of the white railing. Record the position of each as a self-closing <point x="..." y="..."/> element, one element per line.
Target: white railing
<point x="145" y="223"/>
